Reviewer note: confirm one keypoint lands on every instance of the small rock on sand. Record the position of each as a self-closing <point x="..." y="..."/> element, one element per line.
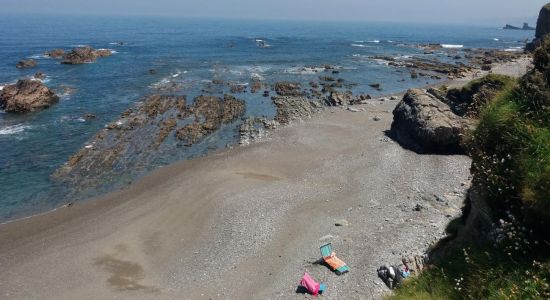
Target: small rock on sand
<point x="343" y="223"/>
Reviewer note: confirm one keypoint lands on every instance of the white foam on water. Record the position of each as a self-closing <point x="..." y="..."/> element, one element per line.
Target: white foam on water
<point x="514" y="49"/>
<point x="451" y="46"/>
<point x="39" y="56"/>
<point x="496" y="40"/>
<point x="390" y="41"/>
<point x="1" y="87"/>
<point x="257" y="76"/>
<point x="374" y="41"/>
<point x="14" y="129"/>
<point x="359" y="45"/>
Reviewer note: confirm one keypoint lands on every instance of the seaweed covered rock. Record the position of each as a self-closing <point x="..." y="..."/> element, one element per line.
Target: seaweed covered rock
<point x="210" y="113"/>
<point x="425" y="124"/>
<point x="25" y="96"/>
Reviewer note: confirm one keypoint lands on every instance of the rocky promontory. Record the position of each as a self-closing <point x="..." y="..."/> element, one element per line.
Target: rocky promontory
<point x="25" y="96"/>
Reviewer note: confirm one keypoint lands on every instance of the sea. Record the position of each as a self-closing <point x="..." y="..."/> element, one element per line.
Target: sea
<point x="190" y="53"/>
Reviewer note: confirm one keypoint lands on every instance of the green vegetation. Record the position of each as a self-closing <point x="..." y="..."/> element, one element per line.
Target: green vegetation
<point x="473" y="273"/>
<point x="510" y="149"/>
<point x="470" y="100"/>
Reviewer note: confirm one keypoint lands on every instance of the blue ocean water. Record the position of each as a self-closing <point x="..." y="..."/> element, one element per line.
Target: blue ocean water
<point x="189" y="52"/>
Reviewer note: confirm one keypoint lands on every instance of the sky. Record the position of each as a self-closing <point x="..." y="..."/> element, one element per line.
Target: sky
<point x="418" y="11"/>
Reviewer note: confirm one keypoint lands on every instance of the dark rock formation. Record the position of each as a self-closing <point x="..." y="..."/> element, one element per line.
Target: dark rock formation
<point x="57" y="53"/>
<point x="84" y="55"/>
<point x="424" y="124"/>
<point x="25" y="64"/>
<point x="26" y="96"/>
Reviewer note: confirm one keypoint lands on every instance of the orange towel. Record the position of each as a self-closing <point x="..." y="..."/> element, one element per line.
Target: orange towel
<point x="334" y="262"/>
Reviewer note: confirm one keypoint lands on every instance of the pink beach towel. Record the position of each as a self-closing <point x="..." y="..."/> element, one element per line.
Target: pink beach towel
<point x="310" y="284"/>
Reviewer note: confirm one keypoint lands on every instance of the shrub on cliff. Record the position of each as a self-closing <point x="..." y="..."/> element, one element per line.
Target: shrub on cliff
<point x="511" y="147"/>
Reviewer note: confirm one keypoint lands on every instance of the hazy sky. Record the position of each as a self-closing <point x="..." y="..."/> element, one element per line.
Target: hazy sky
<point x="452" y="11"/>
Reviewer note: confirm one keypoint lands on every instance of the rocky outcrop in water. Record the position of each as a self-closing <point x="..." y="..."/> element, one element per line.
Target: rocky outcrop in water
<point x="57" y="53"/>
<point x="423" y="123"/>
<point x="84" y="55"/>
<point x="26" y="64"/>
<point x="26" y="96"/>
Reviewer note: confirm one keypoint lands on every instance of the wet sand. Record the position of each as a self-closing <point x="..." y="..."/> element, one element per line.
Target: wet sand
<point x="245" y="223"/>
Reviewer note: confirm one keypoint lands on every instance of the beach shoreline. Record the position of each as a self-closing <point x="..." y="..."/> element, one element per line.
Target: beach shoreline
<point x="245" y="222"/>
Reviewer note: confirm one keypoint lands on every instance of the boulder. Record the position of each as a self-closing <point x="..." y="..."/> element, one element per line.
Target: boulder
<point x="25" y="96"/>
<point x="423" y="123"/>
<point x="24" y="64"/>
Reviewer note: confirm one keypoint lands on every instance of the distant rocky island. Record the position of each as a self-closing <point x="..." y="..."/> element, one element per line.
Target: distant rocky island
<point x="525" y="27"/>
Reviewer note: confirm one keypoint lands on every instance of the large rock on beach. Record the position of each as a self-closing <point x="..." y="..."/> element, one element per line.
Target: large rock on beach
<point x="25" y="96"/>
<point x="423" y="123"/>
<point x="84" y="55"/>
<point x="25" y="64"/>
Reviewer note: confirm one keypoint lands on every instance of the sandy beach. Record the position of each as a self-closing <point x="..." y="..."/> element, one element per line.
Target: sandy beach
<point x="246" y="223"/>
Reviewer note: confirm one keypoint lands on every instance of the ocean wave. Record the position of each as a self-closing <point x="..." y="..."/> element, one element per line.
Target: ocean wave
<point x="451" y="46"/>
<point x="2" y="87"/>
<point x="359" y="45"/>
<point x="374" y="41"/>
<point x="496" y="40"/>
<point x="14" y="129"/>
<point x="514" y="49"/>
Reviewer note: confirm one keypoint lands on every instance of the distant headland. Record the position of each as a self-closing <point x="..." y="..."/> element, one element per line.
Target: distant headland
<point x="525" y="27"/>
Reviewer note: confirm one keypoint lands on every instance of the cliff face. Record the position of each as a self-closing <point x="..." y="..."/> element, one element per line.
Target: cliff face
<point x="543" y="23"/>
